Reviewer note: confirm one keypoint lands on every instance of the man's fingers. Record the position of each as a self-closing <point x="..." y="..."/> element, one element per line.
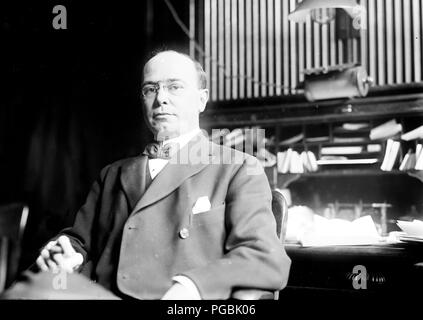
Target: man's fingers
<point x="59" y="254"/>
<point x="52" y="265"/>
<point x="69" y="264"/>
<point x="47" y="259"/>
<point x="55" y="249"/>
<point x="64" y="242"/>
<point x="76" y="260"/>
<point x="45" y="254"/>
<point x="62" y="262"/>
<point x="50" y="245"/>
<point x="57" y="258"/>
<point x="41" y="263"/>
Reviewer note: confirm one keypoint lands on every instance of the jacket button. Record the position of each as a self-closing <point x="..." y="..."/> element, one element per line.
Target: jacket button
<point x="184" y="233"/>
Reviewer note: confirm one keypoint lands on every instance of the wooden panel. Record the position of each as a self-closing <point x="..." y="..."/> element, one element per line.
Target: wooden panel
<point x="380" y="27"/>
<point x="241" y="55"/>
<point x="278" y="47"/>
<point x="192" y="28"/>
<point x="270" y="47"/>
<point x="372" y="40"/>
<point x="407" y="39"/>
<point x="293" y="47"/>
<point x="325" y="49"/>
<point x="214" y="41"/>
<point x="207" y="44"/>
<point x="364" y="38"/>
<point x="227" y="23"/>
<point x="334" y="44"/>
<point x="301" y="52"/>
<point x="256" y="46"/>
<point x="389" y="42"/>
<point x="249" y="47"/>
<point x="416" y="33"/>
<point x="285" y="45"/>
<point x="263" y="48"/>
<point x="309" y="43"/>
<point x="234" y="46"/>
<point x="398" y="41"/>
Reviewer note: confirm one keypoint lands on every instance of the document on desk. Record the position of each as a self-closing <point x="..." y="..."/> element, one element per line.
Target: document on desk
<point x="338" y="232"/>
<point x="413" y="230"/>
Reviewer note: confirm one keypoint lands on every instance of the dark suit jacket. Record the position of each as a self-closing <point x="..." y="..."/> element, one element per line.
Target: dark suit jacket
<point x="131" y="242"/>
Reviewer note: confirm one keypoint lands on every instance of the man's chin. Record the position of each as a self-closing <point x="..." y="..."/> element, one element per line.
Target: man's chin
<point x="165" y="133"/>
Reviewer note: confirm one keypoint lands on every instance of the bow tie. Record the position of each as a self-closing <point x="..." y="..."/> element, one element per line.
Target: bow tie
<point x="156" y="150"/>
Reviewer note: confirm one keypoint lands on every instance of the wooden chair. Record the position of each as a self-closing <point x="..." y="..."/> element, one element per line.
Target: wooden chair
<point x="13" y="219"/>
<point x="280" y="212"/>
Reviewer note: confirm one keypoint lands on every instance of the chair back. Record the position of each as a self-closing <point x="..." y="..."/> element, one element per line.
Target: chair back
<point x="13" y="219"/>
<point x="280" y="211"/>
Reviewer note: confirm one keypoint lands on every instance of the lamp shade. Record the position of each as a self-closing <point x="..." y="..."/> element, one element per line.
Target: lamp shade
<point x="305" y="8"/>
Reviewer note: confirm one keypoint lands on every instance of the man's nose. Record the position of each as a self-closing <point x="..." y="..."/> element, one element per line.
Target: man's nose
<point x="162" y="95"/>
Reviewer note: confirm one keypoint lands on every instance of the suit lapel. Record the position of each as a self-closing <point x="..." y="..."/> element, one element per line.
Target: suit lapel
<point x="133" y="179"/>
<point x="174" y="174"/>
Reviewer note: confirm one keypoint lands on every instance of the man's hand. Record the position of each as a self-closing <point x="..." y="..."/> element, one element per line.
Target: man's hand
<point x="59" y="255"/>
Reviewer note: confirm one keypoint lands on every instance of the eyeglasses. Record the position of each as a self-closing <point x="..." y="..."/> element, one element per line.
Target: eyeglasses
<point x="150" y="90"/>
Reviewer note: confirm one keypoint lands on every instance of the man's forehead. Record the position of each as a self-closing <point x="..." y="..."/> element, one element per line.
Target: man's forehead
<point x="170" y="65"/>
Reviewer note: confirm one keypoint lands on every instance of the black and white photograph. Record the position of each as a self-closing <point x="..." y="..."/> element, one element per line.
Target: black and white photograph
<point x="252" y="154"/>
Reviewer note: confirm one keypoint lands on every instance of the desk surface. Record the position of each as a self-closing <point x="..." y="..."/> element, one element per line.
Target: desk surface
<point x="388" y="266"/>
<point x="398" y="250"/>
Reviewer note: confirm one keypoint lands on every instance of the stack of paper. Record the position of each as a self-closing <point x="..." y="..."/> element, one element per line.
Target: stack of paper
<point x="309" y="161"/>
<point x="330" y="232"/>
<point x="391" y="154"/>
<point x="409" y="161"/>
<point x="290" y="161"/>
<point x="419" y="157"/>
<point x="349" y="139"/>
<point x="344" y="161"/>
<point x="342" y="150"/>
<point x="374" y="148"/>
<point x="317" y="139"/>
<point x="413" y="230"/>
<point x="283" y="159"/>
<point x="292" y="140"/>
<point x="295" y="163"/>
<point x="355" y="126"/>
<point x="413" y="134"/>
<point x="386" y="130"/>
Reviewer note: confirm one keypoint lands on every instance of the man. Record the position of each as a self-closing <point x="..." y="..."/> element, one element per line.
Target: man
<point x="155" y="228"/>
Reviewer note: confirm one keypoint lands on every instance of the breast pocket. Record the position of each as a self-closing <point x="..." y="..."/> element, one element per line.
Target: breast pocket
<point x="214" y="215"/>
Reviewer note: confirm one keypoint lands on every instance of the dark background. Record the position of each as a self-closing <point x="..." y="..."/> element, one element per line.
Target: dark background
<point x="69" y="101"/>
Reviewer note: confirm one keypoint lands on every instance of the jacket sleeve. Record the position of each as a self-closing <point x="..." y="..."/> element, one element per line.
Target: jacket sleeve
<point x="80" y="234"/>
<point x="255" y="257"/>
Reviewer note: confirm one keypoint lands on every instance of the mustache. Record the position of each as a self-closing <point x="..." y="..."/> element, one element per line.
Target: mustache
<point x="163" y="112"/>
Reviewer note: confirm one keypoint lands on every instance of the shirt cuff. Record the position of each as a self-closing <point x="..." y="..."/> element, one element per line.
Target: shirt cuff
<point x="189" y="285"/>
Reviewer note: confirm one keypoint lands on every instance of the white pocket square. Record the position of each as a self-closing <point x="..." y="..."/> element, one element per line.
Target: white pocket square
<point x="201" y="205"/>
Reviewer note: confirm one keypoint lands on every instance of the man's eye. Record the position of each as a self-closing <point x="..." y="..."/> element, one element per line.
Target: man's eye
<point x="149" y="89"/>
<point x="175" y="87"/>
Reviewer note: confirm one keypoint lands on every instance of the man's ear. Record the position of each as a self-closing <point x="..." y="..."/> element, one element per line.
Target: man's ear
<point x="204" y="97"/>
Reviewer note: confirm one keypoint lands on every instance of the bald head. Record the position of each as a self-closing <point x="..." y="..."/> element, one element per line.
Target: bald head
<point x="201" y="75"/>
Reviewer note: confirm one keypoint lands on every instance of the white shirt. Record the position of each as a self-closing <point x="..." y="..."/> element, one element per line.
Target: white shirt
<point x="157" y="165"/>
